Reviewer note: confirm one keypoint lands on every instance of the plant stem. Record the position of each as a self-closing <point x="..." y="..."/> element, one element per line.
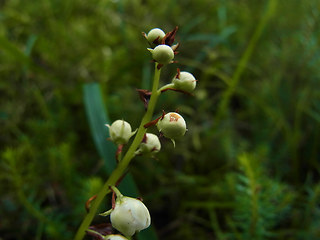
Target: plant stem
<point x="169" y="85"/>
<point x="228" y="93"/>
<point x="123" y="164"/>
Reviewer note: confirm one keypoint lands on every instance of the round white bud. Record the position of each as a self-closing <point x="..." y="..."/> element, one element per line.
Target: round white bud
<point x="120" y="131"/>
<point x="172" y="125"/>
<point x="162" y="54"/>
<point x="184" y="81"/>
<point x="149" y="144"/>
<point x="155" y="34"/>
<point x="129" y="216"/>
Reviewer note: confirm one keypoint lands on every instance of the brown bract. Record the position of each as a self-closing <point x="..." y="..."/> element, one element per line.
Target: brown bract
<point x="100" y="230"/>
<point x="119" y="151"/>
<point x="88" y="202"/>
<point x="169" y="37"/>
<point x="144" y="96"/>
<point x="154" y="122"/>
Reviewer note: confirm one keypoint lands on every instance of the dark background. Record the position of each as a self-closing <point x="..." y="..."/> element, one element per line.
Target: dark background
<point x="248" y="167"/>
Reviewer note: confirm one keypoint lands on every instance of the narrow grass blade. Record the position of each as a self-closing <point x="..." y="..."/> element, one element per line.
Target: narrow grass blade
<point x="97" y="117"/>
<point x="13" y="51"/>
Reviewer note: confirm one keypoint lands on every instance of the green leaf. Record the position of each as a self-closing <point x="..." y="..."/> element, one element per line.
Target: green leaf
<point x="98" y="117"/>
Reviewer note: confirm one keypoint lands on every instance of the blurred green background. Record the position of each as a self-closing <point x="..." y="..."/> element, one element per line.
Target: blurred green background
<point x="248" y="168"/>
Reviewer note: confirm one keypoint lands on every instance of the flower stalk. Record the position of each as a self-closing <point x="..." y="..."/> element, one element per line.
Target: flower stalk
<point x="129" y="215"/>
<point x="123" y="164"/>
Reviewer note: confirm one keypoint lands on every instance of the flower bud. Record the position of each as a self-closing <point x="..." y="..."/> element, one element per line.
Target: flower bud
<point x="149" y="145"/>
<point x="184" y="81"/>
<point x="155" y="36"/>
<point x="120" y="132"/>
<point x="172" y="125"/>
<point x="115" y="237"/>
<point x="162" y="54"/>
<point x="129" y="216"/>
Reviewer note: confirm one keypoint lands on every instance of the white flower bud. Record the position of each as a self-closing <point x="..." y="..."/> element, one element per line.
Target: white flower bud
<point x="129" y="216"/>
<point x="155" y="34"/>
<point x="149" y="145"/>
<point x="184" y="81"/>
<point x="172" y="125"/>
<point x="162" y="54"/>
<point x="120" y="132"/>
<point x="115" y="237"/>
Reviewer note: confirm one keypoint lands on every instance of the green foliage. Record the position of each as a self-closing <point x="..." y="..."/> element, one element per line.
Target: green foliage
<point x="262" y="203"/>
<point x="248" y="167"/>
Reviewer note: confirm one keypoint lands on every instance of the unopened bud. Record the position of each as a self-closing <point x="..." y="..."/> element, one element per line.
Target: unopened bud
<point x="155" y="36"/>
<point x="120" y="131"/>
<point x="184" y="81"/>
<point x="172" y="125"/>
<point x="129" y="216"/>
<point x="162" y="54"/>
<point x="149" y="145"/>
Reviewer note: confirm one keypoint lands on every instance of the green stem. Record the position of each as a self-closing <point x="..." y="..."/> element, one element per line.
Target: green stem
<point x="116" y="191"/>
<point x="123" y="164"/>
<point x="228" y="93"/>
<point x="169" y="85"/>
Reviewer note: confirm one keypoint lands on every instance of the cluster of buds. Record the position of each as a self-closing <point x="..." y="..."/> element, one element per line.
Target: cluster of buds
<point x="163" y="53"/>
<point x="163" y="50"/>
<point x="129" y="215"/>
